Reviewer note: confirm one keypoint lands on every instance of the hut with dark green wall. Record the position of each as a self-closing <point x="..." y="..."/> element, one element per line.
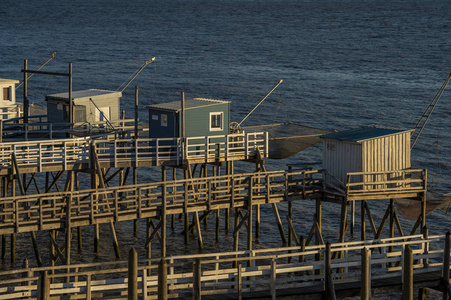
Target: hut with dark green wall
<point x="203" y="117"/>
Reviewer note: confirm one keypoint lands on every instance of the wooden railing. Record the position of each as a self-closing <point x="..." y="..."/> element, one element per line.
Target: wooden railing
<point x="75" y="151"/>
<point x="225" y="146"/>
<point x="56" y="130"/>
<point x="386" y="184"/>
<point x="234" y="273"/>
<point x="85" y="207"/>
<point x="45" y="153"/>
<point x="11" y="111"/>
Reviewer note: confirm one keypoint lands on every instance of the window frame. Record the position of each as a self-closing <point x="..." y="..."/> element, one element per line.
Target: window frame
<point x="7" y="91"/>
<point x="221" y="121"/>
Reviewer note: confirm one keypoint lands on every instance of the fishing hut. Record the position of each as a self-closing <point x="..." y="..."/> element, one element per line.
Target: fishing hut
<point x="202" y="117"/>
<point x="371" y="163"/>
<point x="90" y="106"/>
<point x="8" y="106"/>
<point x="366" y="149"/>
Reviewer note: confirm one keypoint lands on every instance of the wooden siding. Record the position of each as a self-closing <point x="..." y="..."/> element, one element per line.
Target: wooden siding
<point x="111" y="102"/>
<point x="197" y="122"/>
<point x="57" y="116"/>
<point x="386" y="153"/>
<point x="382" y="154"/>
<point x="156" y="130"/>
<point x="340" y="158"/>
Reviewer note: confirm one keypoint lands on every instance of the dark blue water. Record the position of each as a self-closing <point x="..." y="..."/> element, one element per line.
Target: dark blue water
<point x="344" y="64"/>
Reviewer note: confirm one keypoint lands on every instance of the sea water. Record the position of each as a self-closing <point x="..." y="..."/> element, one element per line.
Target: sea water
<point x="344" y="64"/>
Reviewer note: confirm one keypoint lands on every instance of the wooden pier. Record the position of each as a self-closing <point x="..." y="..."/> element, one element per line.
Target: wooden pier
<point x="408" y="265"/>
<point x="79" y="153"/>
<point x="66" y="209"/>
<point x="243" y="192"/>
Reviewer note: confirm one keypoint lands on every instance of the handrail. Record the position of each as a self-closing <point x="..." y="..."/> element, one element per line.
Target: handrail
<point x="145" y="200"/>
<point x="385" y="181"/>
<point x="129" y="150"/>
<point x="265" y="270"/>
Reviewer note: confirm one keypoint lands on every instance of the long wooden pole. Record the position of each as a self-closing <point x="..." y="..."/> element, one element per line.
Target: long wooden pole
<point x="25" y="93"/>
<point x="136" y="112"/>
<point x="183" y="129"/>
<point x="163" y="220"/>
<point x="71" y="105"/>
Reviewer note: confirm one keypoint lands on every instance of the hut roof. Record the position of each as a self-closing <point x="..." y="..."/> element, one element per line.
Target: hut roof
<point x="189" y="104"/>
<point x="8" y="81"/>
<point x="363" y="134"/>
<point x="91" y="93"/>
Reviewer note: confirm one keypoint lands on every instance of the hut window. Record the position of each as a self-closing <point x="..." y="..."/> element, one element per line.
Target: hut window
<point x="216" y="122"/>
<point x="164" y="120"/>
<point x="7" y="93"/>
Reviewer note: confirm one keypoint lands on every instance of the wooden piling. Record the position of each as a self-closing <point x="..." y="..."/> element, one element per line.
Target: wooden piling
<point x="174" y="178"/>
<point x="236" y="233"/>
<point x="272" y="284"/>
<point x="426" y="247"/>
<point x="250" y="213"/>
<point x="132" y="274"/>
<point x="4" y="192"/>
<point x="328" y="280"/>
<point x="162" y="280"/>
<point x="13" y="248"/>
<point x="163" y="220"/>
<point x="239" y="282"/>
<point x="44" y="286"/>
<point x="186" y="213"/>
<point x="25" y="274"/>
<point x="197" y="279"/>
<point x="362" y="220"/>
<point x="79" y="239"/>
<point x="365" y="281"/>
<point x="68" y="228"/>
<point x="352" y="217"/>
<point x="407" y="285"/>
<point x="446" y="266"/>
<point x="3" y="246"/>
<point x="96" y="238"/>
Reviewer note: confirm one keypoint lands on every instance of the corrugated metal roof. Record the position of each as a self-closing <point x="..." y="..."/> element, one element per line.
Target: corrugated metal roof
<point x="363" y="133"/>
<point x="189" y="103"/>
<point x="83" y="94"/>
<point x="8" y="81"/>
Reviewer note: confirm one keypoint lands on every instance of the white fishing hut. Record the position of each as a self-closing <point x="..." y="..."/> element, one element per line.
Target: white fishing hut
<point x="90" y="106"/>
<point x="366" y="149"/>
<point x="8" y="106"/>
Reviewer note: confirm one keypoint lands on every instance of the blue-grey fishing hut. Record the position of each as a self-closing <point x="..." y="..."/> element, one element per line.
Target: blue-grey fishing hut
<point x="203" y="117"/>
